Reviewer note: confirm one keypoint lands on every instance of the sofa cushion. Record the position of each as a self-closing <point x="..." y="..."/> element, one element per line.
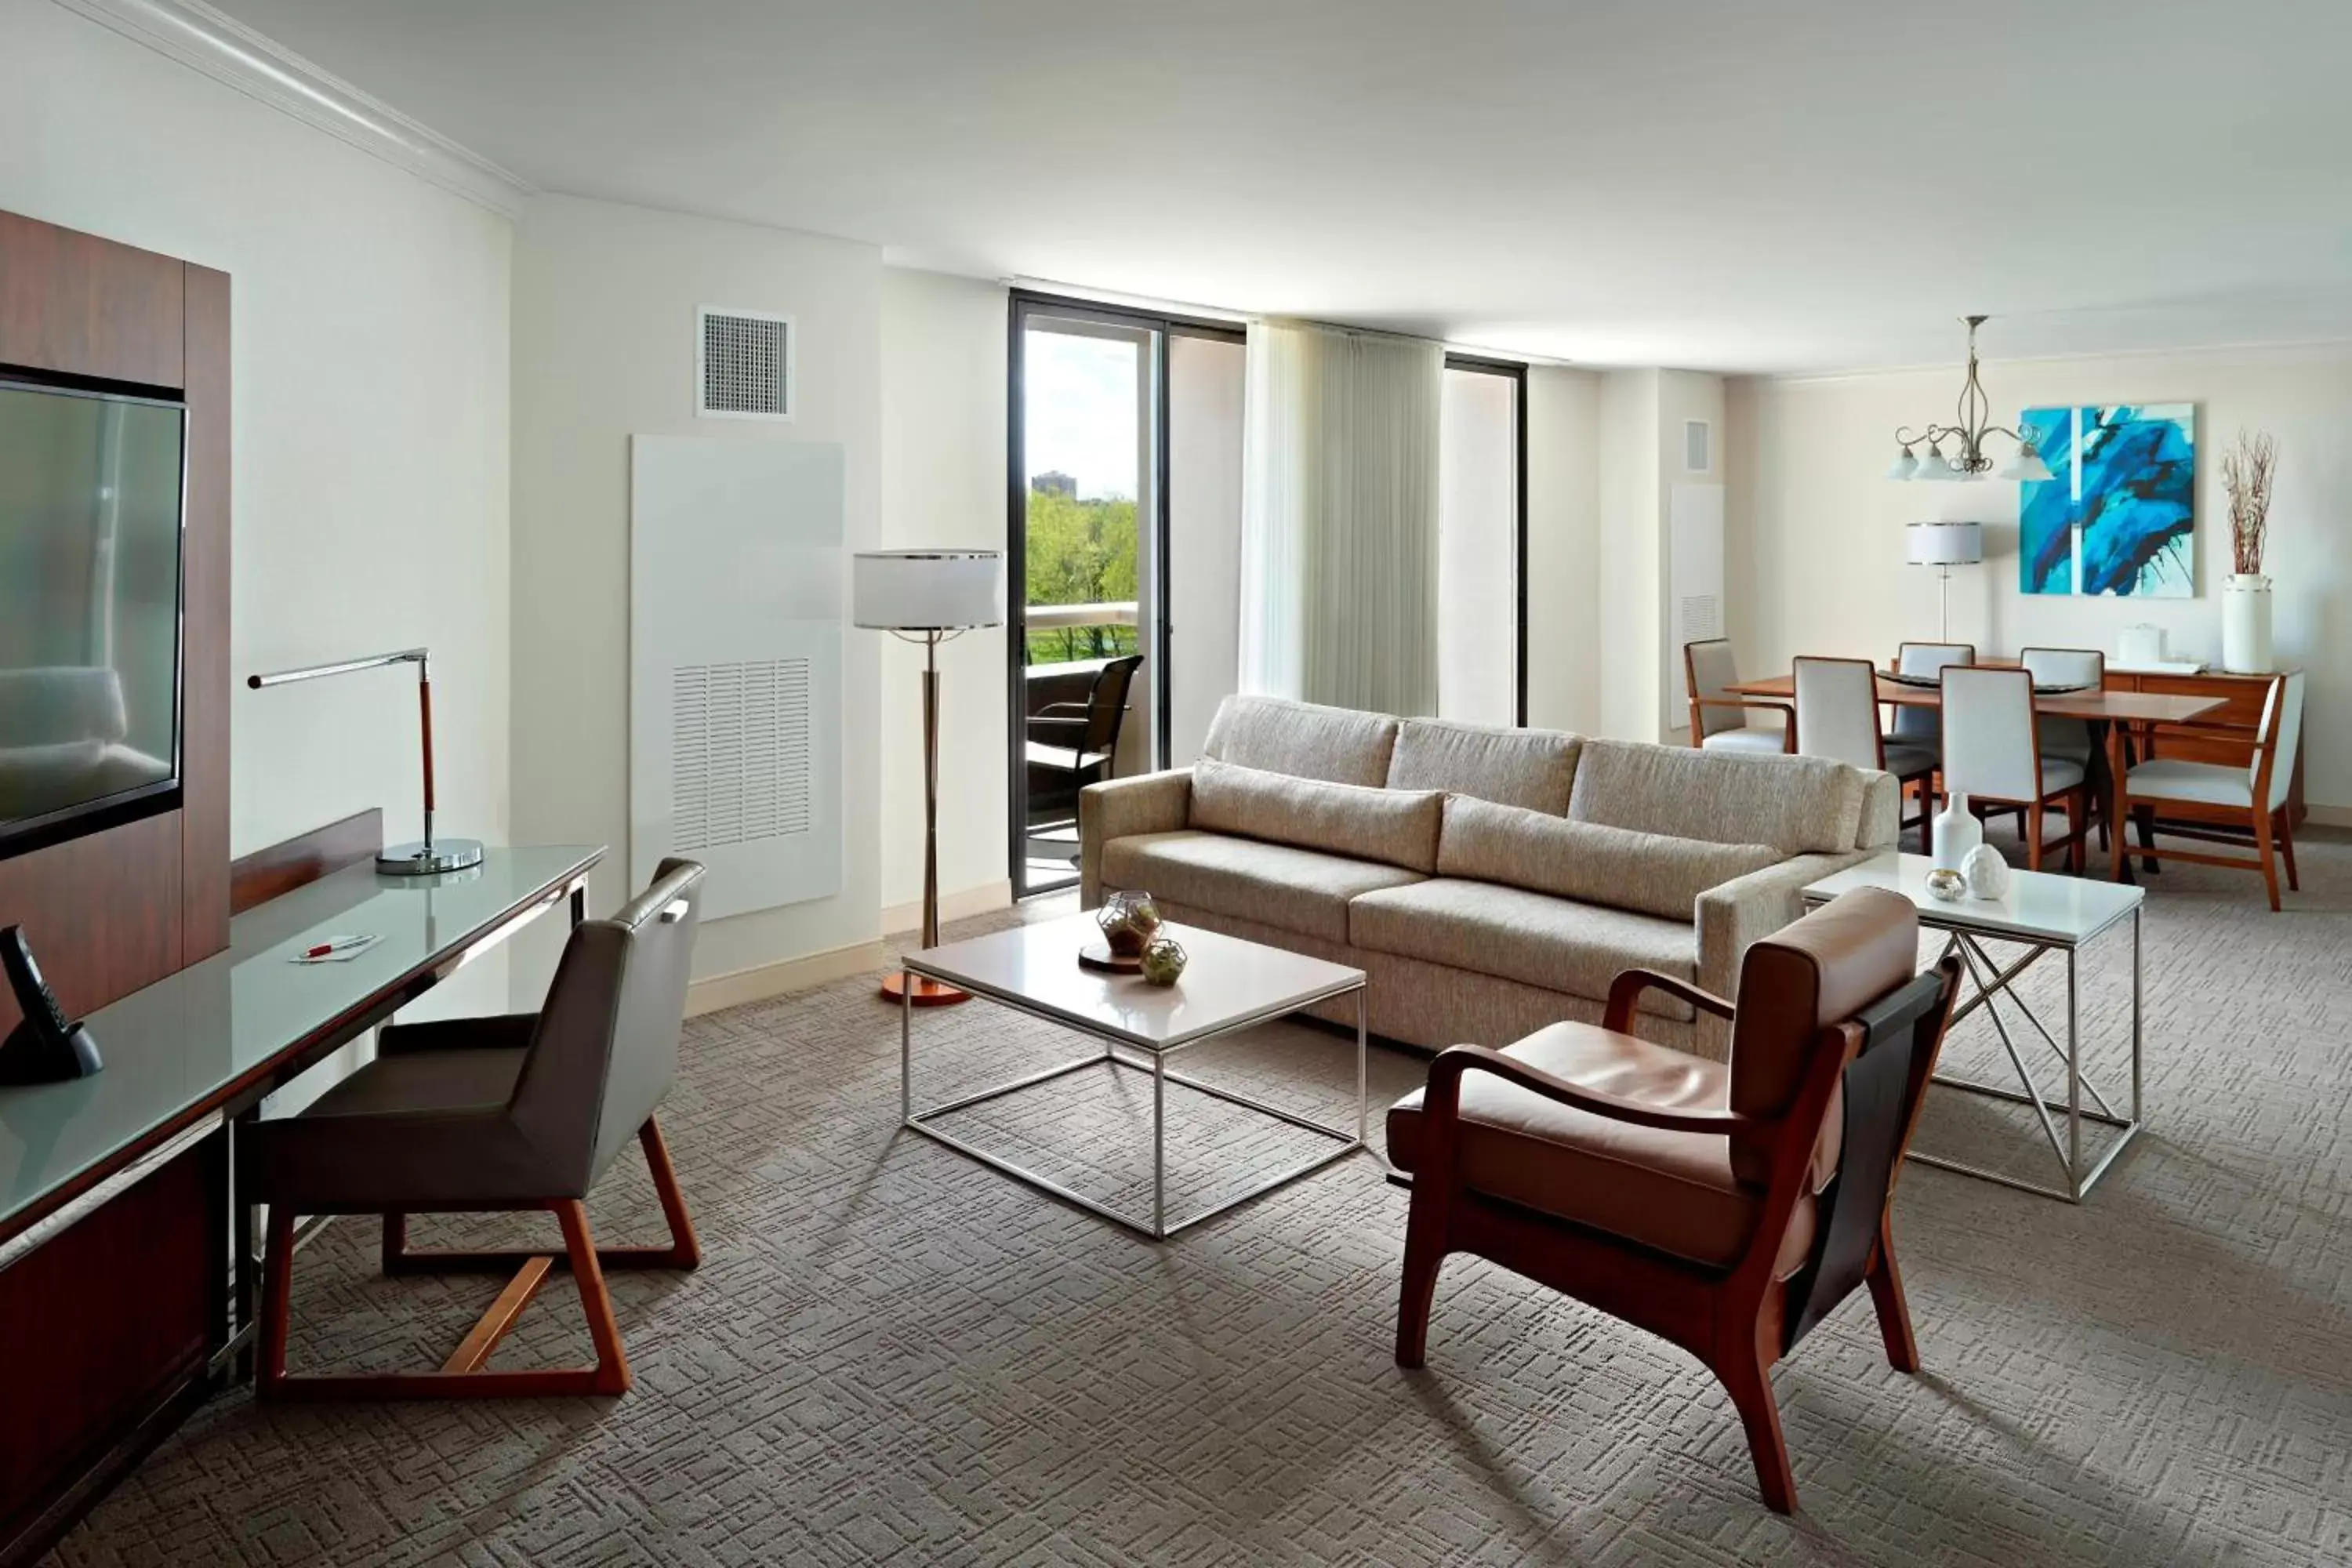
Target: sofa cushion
<point x="1531" y="937"/>
<point x="1396" y="827"/>
<point x="1293" y="889"/>
<point x="1530" y="768"/>
<point x="1588" y="861"/>
<point x="1674" y="1192"/>
<point x="1338" y="745"/>
<point x="1796" y="804"/>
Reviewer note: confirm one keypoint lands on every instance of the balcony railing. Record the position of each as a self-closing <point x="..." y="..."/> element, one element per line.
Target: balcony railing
<point x="1064" y="635"/>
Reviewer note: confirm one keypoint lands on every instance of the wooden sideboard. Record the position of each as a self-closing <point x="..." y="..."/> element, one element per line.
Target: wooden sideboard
<point x="2228" y="734"/>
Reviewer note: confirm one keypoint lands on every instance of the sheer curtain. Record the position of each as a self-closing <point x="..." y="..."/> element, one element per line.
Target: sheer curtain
<point x="1339" y="568"/>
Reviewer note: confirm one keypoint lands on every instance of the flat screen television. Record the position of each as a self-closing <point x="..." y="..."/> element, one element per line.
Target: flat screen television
<point x="92" y="493"/>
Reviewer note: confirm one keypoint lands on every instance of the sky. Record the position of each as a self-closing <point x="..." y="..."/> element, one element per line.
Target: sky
<point x="1081" y="415"/>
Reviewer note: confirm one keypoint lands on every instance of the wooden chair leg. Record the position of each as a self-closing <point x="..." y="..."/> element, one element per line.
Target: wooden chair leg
<point x="395" y="1241"/>
<point x="1425" y="1255"/>
<point x="611" y="1361"/>
<point x="2078" y="830"/>
<point x="1885" y="1281"/>
<point x="2121" y="852"/>
<point x="684" y="1250"/>
<point x="2286" y="848"/>
<point x="1747" y="1376"/>
<point x="2269" y="856"/>
<point x="2033" y="837"/>
<point x="685" y="1246"/>
<point x="277" y="1291"/>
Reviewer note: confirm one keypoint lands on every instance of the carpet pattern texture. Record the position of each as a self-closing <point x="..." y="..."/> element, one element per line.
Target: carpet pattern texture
<point x="892" y="1355"/>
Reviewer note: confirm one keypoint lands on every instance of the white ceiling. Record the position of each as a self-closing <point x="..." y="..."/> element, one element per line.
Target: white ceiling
<point x="1729" y="184"/>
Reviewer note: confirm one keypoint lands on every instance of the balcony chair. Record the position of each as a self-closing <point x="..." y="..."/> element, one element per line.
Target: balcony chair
<point x="1728" y="1208"/>
<point x="1993" y="753"/>
<point x="1718" y="716"/>
<point x="501" y="1114"/>
<point x="1073" y="744"/>
<point x="2228" y="789"/>
<point x="1837" y="716"/>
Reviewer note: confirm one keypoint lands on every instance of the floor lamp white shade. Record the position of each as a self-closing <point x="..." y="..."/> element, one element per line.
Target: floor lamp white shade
<point x="928" y="596"/>
<point x="1945" y="545"/>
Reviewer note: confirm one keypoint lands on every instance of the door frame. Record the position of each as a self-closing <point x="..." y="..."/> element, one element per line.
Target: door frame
<point x="1021" y="304"/>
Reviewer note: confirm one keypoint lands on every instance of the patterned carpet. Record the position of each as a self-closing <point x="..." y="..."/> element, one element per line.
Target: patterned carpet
<point x="892" y="1355"/>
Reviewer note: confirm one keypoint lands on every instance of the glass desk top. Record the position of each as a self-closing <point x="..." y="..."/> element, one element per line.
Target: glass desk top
<point x="188" y="1039"/>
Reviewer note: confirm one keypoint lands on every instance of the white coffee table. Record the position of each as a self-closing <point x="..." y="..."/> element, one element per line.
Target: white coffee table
<point x="2042" y="913"/>
<point x="1228" y="984"/>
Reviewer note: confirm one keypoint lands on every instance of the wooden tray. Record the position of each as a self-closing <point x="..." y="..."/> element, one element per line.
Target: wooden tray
<point x="1098" y="955"/>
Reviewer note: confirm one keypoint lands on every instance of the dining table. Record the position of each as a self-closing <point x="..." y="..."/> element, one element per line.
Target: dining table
<point x="2112" y="717"/>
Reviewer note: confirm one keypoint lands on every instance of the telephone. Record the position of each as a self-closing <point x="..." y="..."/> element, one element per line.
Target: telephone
<point x="44" y="1048"/>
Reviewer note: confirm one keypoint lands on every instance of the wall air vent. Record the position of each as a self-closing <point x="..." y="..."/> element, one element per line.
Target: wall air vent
<point x="1699" y="447"/>
<point x="743" y="364"/>
<point x="739" y="753"/>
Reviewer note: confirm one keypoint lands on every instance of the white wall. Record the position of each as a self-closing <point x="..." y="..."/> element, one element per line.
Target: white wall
<point x="1814" y="534"/>
<point x="1563" y="549"/>
<point x="603" y="348"/>
<point x="1477" y="548"/>
<point x="1632" y="581"/>
<point x="942" y="482"/>
<point x="369" y="361"/>
<point x="1208" y="381"/>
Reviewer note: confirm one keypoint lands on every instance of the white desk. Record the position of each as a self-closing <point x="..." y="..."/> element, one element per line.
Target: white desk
<point x="2043" y="913"/>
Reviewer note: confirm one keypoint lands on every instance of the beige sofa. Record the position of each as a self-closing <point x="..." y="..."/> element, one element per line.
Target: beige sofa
<point x="1487" y="881"/>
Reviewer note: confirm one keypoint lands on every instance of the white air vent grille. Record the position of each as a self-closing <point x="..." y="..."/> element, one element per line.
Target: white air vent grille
<point x="1699" y="447"/>
<point x="739" y="753"/>
<point x="745" y="362"/>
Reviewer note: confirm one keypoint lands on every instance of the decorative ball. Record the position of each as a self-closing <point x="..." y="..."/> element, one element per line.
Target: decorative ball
<point x="1987" y="872"/>
<point x="1946" y="884"/>
<point x="1163" y="960"/>
<point x="1127" y="920"/>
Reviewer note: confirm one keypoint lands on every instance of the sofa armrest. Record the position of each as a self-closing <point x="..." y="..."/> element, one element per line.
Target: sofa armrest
<point x="1882" y="810"/>
<point x="1120" y="808"/>
<point x="1733" y="916"/>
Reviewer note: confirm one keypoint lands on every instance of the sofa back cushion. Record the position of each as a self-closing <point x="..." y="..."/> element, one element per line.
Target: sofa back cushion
<point x="1530" y="768"/>
<point x="1395" y="828"/>
<point x="1306" y="740"/>
<point x="1650" y="873"/>
<point x="1800" y="806"/>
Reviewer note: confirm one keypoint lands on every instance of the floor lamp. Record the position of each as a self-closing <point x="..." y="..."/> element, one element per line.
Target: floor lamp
<point x="1945" y="545"/>
<point x="928" y="596"/>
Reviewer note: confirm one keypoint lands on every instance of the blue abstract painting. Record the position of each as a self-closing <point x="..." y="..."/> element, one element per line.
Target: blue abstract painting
<point x="2118" y="514"/>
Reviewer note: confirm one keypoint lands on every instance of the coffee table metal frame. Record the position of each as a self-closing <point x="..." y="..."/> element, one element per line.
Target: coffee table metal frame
<point x="1993" y="979"/>
<point x="1159" y="1227"/>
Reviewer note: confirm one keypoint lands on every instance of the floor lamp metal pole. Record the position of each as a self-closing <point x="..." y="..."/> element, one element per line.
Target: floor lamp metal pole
<point x="920" y="992"/>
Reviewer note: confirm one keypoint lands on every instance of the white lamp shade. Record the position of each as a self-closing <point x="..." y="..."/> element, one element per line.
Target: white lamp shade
<point x="1904" y="466"/>
<point x="2027" y="466"/>
<point x="1946" y="543"/>
<point x="1936" y="466"/>
<point x="928" y="590"/>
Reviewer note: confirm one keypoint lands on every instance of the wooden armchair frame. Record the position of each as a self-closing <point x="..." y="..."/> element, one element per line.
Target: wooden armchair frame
<point x="2269" y="831"/>
<point x="1737" y="1321"/>
<point x="1785" y="713"/>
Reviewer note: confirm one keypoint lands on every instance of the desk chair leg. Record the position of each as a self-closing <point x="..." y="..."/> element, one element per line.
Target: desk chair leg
<point x="2269" y="856"/>
<point x="2286" y="848"/>
<point x="277" y="1282"/>
<point x="684" y="1251"/>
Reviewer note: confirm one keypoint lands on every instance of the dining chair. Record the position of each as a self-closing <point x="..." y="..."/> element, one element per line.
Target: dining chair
<point x="2259" y="789"/>
<point x="495" y="1115"/>
<point x="1992" y="754"/>
<point x="1916" y="724"/>
<point x="1718" y="715"/>
<point x="1727" y="1207"/>
<point x="1837" y="717"/>
<point x="2059" y="736"/>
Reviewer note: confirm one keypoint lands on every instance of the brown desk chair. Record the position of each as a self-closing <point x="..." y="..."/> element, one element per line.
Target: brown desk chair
<point x="485" y="1115"/>
<point x="1726" y="1208"/>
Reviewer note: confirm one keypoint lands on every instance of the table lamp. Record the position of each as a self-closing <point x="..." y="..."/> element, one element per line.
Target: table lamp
<point x="928" y="596"/>
<point x="429" y="855"/>
<point x="1945" y="545"/>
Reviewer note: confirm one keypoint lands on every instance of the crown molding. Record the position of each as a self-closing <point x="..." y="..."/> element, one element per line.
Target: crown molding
<point x="231" y="52"/>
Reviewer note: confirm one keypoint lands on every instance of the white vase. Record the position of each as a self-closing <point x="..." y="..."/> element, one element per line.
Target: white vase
<point x="1988" y="873"/>
<point x="1955" y="833"/>
<point x="2246" y="625"/>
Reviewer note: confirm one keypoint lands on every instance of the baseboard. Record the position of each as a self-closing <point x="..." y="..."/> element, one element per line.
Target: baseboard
<point x="762" y="981"/>
<point x="984" y="900"/>
<point x="2329" y="815"/>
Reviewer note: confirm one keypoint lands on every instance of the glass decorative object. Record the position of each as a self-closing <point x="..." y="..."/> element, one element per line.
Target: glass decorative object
<point x="1163" y="960"/>
<point x="1947" y="884"/>
<point x="1128" y="918"/>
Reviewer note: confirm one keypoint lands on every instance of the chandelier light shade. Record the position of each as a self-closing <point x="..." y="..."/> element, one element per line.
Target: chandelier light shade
<point x="1974" y="424"/>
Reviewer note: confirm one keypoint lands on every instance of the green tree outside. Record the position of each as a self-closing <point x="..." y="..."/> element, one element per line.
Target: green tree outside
<point x="1080" y="553"/>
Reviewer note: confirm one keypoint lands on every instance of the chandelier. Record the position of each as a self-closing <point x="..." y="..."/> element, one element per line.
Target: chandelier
<point x="1969" y="461"/>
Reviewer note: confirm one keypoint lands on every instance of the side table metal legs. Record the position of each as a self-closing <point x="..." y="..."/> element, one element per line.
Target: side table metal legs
<point x="1995" y="987"/>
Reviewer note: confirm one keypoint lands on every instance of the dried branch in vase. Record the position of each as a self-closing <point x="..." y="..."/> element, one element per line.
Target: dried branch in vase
<point x="2246" y="470"/>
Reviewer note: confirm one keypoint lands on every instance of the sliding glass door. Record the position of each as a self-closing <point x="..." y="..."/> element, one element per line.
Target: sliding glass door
<point x="1124" y="463"/>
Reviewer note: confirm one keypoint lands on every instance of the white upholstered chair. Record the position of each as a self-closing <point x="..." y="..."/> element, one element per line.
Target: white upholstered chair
<point x="2258" y="790"/>
<point x="1992" y="753"/>
<point x="1837" y="717"/>
<point x="1918" y="726"/>
<point x="2062" y="737"/>
<point x="1719" y="719"/>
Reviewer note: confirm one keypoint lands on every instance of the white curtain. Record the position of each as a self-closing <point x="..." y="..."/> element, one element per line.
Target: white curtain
<point x="1338" y="570"/>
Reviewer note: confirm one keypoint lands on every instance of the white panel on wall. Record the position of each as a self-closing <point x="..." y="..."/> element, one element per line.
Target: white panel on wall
<point x="736" y="621"/>
<point x="1694" y="581"/>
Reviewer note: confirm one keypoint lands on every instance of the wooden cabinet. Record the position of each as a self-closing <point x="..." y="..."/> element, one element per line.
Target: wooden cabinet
<point x="2224" y="735"/>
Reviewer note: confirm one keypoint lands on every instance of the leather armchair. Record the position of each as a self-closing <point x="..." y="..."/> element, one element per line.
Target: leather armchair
<point x="1727" y="1207"/>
